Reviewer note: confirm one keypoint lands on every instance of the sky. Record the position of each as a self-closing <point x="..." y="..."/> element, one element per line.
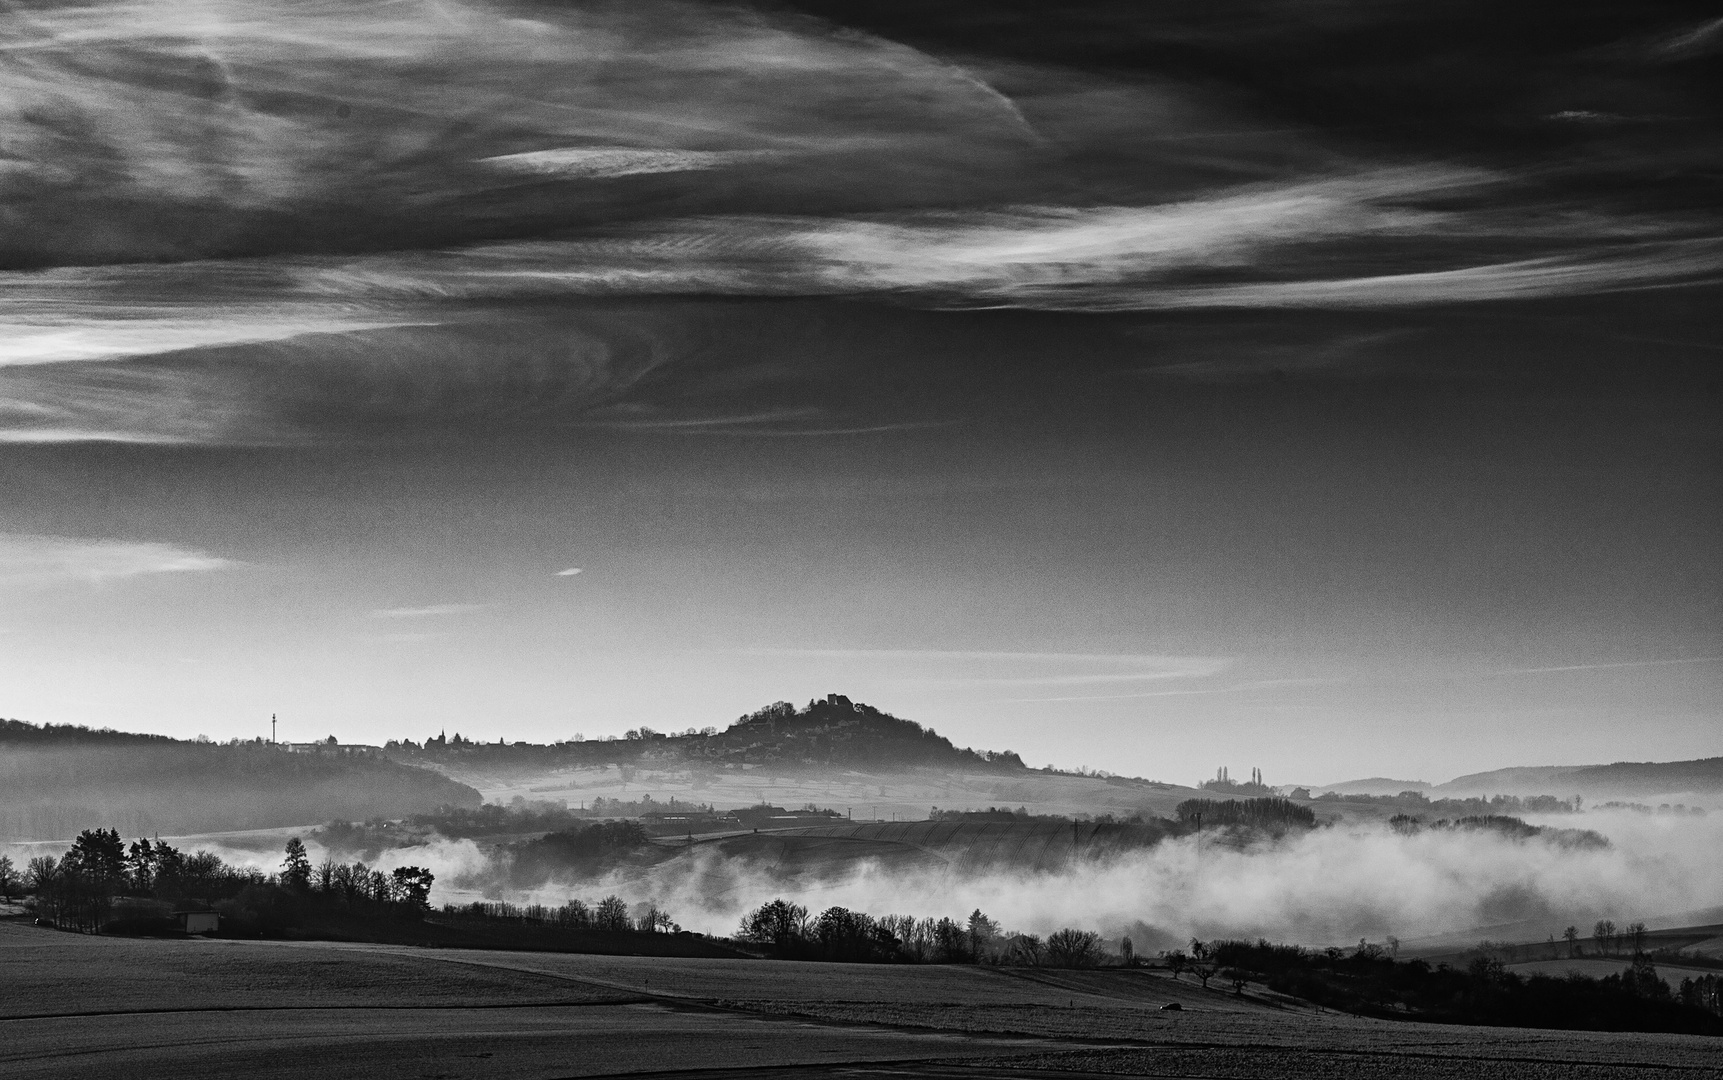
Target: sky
<point x="1328" y="389"/>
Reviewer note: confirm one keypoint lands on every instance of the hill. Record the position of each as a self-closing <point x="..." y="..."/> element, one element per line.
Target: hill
<point x="1623" y="779"/>
<point x="1375" y="785"/>
<point x="56" y="780"/>
<point x="833" y="733"/>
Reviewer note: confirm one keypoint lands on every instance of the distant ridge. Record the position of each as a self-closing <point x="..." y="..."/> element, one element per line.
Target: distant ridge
<point x="1622" y="779"/>
<point x="1374" y="785"/>
<point x="56" y="780"/>
<point x="829" y="732"/>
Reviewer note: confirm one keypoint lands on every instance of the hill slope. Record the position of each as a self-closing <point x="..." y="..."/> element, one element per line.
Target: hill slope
<point x="1623" y="779"/>
<point x="55" y="781"/>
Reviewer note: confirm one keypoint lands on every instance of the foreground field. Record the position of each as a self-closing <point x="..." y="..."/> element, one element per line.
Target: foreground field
<point x="116" y="1007"/>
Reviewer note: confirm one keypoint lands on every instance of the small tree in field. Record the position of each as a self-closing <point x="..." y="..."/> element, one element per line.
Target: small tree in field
<point x="1177" y="961"/>
<point x="8" y="879"/>
<point x="1203" y="964"/>
<point x="1571" y="934"/>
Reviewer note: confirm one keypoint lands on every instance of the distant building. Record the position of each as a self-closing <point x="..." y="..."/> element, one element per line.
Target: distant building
<point x="199" y="922"/>
<point x="329" y="748"/>
<point x="1223" y="784"/>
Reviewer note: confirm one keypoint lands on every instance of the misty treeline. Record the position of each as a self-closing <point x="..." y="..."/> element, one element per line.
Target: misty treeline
<point x="583" y="852"/>
<point x="834" y="731"/>
<point x="1511" y="827"/>
<point x="611" y="915"/>
<point x="1418" y="802"/>
<point x="56" y="780"/>
<point x="1371" y="981"/>
<point x="1269" y="813"/>
<point x="102" y="884"/>
<point x="516" y="817"/>
<point x="790" y="932"/>
<point x="1678" y="809"/>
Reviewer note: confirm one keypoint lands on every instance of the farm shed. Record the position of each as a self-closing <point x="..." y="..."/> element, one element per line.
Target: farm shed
<point x="199" y="922"/>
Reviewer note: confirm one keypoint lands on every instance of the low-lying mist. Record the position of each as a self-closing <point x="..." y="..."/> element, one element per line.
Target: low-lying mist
<point x="1332" y="885"/>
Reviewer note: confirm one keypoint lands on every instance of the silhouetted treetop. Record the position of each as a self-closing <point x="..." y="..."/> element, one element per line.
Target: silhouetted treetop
<point x="839" y="731"/>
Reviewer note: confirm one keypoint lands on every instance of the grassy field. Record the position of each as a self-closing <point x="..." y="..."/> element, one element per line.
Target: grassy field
<point x="106" y="1007"/>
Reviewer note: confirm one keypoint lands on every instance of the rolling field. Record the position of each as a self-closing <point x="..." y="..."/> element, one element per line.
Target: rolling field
<point x="905" y="795"/>
<point x="961" y="846"/>
<point x="107" y="1007"/>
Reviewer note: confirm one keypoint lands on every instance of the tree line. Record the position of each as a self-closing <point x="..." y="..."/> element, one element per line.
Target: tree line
<point x="1504" y="825"/>
<point x="101" y="883"/>
<point x="1371" y="981"/>
<point x="1264" y="813"/>
<point x="611" y="915"/>
<point x="788" y="931"/>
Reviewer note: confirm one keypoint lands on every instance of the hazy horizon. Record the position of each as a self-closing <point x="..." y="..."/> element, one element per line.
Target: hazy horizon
<point x="1142" y="390"/>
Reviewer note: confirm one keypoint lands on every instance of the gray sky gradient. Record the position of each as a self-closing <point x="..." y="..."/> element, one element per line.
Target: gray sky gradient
<point x="1144" y="388"/>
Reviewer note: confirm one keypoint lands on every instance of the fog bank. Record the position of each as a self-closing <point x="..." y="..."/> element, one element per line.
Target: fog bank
<point x="1332" y="885"/>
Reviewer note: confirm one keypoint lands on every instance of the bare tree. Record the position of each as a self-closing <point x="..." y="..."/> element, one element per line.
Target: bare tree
<point x="1636" y="934"/>
<point x="1572" y="936"/>
<point x="777" y="922"/>
<point x="1027" y="950"/>
<point x="1074" y="948"/>
<point x="8" y="878"/>
<point x="1203" y="964"/>
<point x="1603" y="932"/>
<point x="612" y="914"/>
<point x="1177" y="961"/>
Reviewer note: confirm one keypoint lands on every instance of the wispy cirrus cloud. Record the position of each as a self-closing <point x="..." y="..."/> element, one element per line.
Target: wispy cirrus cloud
<point x="605" y="162"/>
<point x="158" y="130"/>
<point x="428" y="611"/>
<point x="1003" y="668"/>
<point x="41" y="560"/>
<point x="1251" y="687"/>
<point x="257" y="222"/>
<point x="1678" y="661"/>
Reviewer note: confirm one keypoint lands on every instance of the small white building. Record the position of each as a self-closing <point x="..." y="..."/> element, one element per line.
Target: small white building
<point x="199" y="922"/>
